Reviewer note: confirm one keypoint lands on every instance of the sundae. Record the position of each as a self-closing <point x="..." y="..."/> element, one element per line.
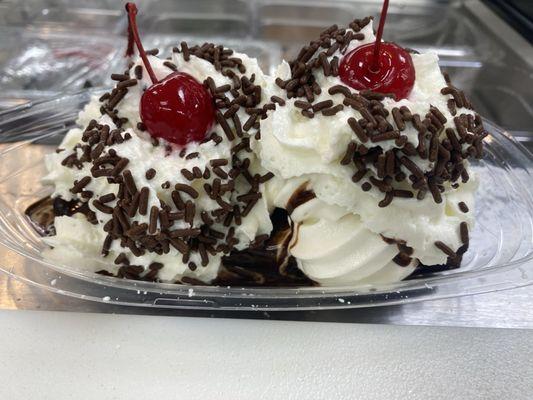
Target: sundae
<point x="348" y="166"/>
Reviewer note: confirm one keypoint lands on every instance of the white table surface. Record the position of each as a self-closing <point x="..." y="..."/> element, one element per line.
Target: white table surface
<point x="60" y="355"/>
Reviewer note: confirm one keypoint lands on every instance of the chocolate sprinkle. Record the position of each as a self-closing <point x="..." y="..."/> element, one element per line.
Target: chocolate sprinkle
<point x="143" y="201"/>
<point x="186" y="189"/>
<point x="129" y="182"/>
<point x="386" y="200"/>
<point x="332" y="110"/>
<point x="187" y="174"/>
<point x="445" y="249"/>
<point x="464" y="233"/>
<point x="80" y="185"/>
<point x="102" y="207"/>
<point x="150" y="174"/>
<point x="154" y="215"/>
<point x="224" y="124"/>
<point x="277" y="99"/>
<point x="106" y="198"/>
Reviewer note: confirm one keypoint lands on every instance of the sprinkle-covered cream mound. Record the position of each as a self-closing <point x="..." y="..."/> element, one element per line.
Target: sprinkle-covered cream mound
<point x="157" y="211"/>
<point x="390" y="179"/>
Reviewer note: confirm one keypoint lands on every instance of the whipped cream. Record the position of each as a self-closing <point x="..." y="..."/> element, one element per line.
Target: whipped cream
<point x="339" y="232"/>
<point x="78" y="243"/>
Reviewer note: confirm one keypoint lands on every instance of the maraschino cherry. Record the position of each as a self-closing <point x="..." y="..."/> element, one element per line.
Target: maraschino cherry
<point x="178" y="108"/>
<point x="380" y="67"/>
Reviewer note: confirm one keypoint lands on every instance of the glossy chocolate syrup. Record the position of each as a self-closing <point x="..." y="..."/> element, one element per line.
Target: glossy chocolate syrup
<point x="300" y="196"/>
<point x="42" y="213"/>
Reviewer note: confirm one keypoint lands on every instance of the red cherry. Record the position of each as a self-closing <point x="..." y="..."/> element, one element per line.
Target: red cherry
<point x="177" y="108"/>
<point x="380" y="67"/>
<point x="395" y="73"/>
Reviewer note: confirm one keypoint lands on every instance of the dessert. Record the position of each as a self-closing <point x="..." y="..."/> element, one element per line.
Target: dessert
<point x="349" y="166"/>
<point x="382" y="177"/>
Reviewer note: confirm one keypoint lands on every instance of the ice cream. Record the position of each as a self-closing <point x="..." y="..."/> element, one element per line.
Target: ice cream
<point x="386" y="182"/>
<point x="301" y="179"/>
<point x="156" y="209"/>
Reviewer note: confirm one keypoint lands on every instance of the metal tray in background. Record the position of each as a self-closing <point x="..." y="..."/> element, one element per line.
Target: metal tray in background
<point x="48" y="47"/>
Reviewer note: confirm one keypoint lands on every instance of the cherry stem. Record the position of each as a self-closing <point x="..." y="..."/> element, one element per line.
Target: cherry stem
<point x="133" y="33"/>
<point x="377" y="44"/>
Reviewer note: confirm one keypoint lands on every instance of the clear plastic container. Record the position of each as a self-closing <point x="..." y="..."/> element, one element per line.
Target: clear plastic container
<point x="500" y="254"/>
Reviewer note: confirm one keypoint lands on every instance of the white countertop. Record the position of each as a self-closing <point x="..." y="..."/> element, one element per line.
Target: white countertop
<point x="59" y="355"/>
